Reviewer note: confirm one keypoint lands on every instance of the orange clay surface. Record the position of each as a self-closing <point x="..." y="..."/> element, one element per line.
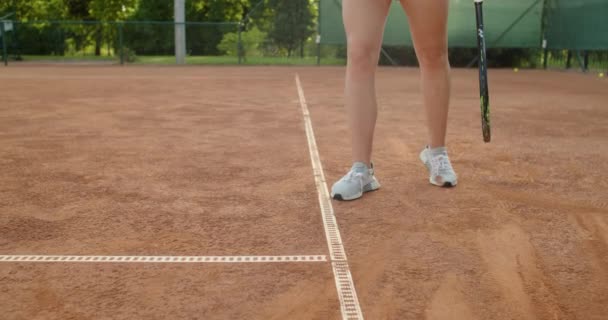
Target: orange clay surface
<point x="109" y="160"/>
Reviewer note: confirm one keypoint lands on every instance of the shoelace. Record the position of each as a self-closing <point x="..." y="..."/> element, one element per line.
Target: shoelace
<point x="440" y="165"/>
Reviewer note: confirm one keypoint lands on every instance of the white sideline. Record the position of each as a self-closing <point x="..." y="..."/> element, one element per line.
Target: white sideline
<point x="349" y="303"/>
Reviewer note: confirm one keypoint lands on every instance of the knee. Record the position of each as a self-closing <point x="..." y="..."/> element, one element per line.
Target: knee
<point x="362" y="56"/>
<point x="432" y="57"/>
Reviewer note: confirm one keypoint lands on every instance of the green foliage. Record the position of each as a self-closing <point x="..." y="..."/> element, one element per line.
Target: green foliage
<point x="78" y="9"/>
<point x="158" y="10"/>
<point x="204" y="40"/>
<point x="292" y="24"/>
<point x="258" y="13"/>
<point x="128" y="55"/>
<point x="39" y="39"/>
<point x="215" y="10"/>
<point x="111" y="10"/>
<point x="26" y="10"/>
<point x="149" y="39"/>
<point x="201" y="39"/>
<point x="250" y="42"/>
<point x="155" y="39"/>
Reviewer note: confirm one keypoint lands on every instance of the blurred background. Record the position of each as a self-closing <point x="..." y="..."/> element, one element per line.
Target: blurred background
<point x="549" y="34"/>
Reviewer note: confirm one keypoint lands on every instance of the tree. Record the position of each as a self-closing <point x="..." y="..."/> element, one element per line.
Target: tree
<point x="78" y="9"/>
<point x="40" y="38"/>
<point x="250" y="42"/>
<point x="292" y="25"/>
<point x="147" y="38"/>
<point x="111" y="10"/>
<point x="34" y="9"/>
<point x="108" y="10"/>
<point x="160" y="10"/>
<point x="205" y="39"/>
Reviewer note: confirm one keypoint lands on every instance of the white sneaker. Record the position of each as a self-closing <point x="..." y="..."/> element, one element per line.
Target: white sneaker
<point x="358" y="180"/>
<point x="438" y="163"/>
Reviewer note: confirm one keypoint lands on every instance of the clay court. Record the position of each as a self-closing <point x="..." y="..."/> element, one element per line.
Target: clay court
<point x="189" y="193"/>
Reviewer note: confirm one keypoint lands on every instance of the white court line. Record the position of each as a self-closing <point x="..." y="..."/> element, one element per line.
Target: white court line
<point x="161" y="259"/>
<point x="127" y="77"/>
<point x="349" y="303"/>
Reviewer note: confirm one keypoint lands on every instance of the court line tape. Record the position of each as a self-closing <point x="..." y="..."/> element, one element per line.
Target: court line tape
<point x="349" y="303"/>
<point x="162" y="259"/>
<point x="125" y="77"/>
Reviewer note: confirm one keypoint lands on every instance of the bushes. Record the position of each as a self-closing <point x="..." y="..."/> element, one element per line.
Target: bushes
<point x="251" y="42"/>
<point x="128" y="55"/>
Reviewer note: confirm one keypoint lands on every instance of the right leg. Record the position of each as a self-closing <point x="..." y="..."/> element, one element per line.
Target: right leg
<point x="364" y="22"/>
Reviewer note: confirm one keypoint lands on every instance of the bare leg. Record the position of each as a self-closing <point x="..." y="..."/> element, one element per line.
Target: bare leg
<point x="364" y="22"/>
<point x="428" y="23"/>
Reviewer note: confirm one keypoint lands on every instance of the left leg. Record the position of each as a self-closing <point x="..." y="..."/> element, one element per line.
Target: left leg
<point x="428" y="24"/>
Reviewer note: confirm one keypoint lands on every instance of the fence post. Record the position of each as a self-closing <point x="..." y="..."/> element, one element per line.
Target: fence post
<point x="569" y="59"/>
<point x="180" y="31"/>
<point x="586" y="61"/>
<point x="239" y="45"/>
<point x="318" y="40"/>
<point x="62" y="41"/>
<point x="4" y="53"/>
<point x="545" y="54"/>
<point x="120" y="44"/>
<point x="55" y="39"/>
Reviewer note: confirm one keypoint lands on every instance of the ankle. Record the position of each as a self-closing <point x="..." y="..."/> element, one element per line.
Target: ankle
<point x="366" y="163"/>
<point x="436" y="150"/>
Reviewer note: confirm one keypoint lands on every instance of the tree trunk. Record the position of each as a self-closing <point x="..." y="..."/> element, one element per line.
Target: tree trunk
<point x="98" y="41"/>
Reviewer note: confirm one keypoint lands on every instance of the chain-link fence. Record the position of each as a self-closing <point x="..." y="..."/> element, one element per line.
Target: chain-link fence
<point x="519" y="33"/>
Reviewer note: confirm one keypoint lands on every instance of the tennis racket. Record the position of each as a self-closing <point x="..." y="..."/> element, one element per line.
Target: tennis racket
<point x="483" y="73"/>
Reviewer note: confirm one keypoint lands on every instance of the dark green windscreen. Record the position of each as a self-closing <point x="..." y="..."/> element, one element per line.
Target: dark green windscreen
<point x="577" y="24"/>
<point x="512" y="23"/>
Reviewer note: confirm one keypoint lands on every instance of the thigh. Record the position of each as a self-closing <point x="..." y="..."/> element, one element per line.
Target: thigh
<point x="428" y="23"/>
<point x="364" y="21"/>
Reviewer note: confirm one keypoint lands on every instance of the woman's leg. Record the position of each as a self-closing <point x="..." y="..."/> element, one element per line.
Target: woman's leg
<point x="428" y="24"/>
<point x="364" y="22"/>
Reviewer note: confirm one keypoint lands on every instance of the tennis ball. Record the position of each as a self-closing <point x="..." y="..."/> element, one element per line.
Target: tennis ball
<point x="515" y="69"/>
<point x="601" y="75"/>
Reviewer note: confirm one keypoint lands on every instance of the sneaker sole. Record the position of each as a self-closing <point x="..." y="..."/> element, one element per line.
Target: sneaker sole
<point x="445" y="184"/>
<point x="370" y="187"/>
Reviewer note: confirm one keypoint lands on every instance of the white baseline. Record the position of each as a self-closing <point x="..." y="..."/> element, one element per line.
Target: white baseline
<point x="160" y="259"/>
